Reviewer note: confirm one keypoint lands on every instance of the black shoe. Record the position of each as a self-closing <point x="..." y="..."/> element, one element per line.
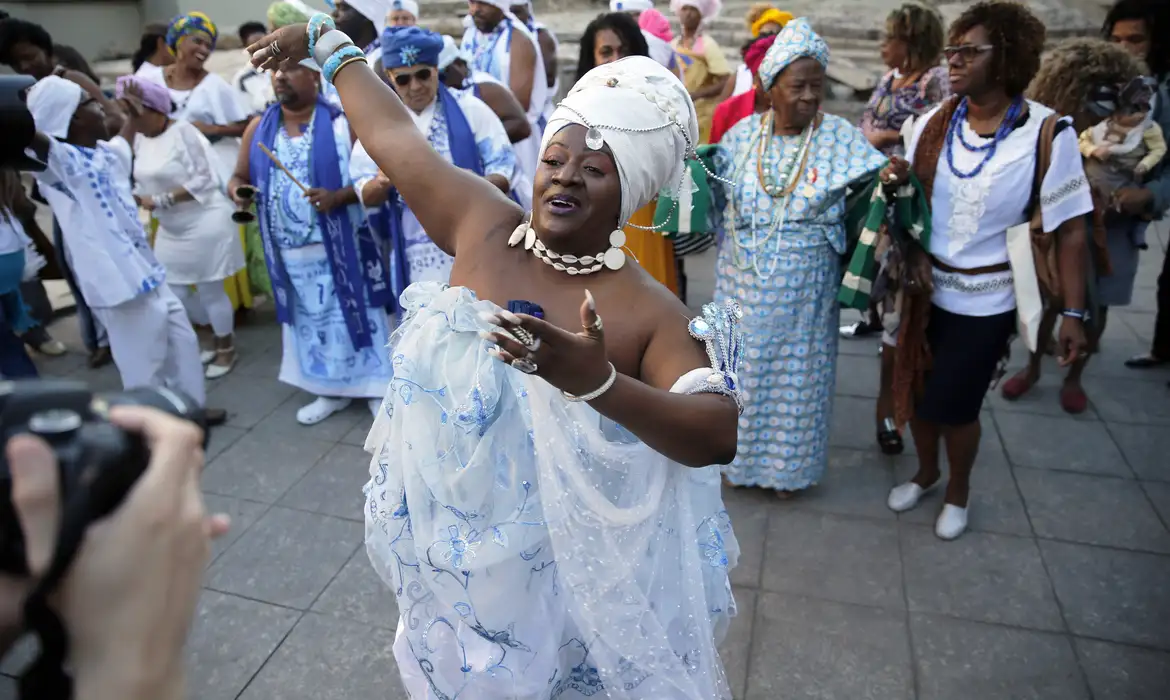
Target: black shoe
<point x="214" y="416"/>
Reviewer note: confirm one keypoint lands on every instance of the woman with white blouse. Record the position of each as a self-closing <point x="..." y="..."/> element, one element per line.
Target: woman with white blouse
<point x="197" y="242"/>
<point x="976" y="158"/>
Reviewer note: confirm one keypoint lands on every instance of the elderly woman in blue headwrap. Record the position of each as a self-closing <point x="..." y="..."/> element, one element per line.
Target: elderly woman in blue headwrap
<point x="212" y="106"/>
<point x="460" y="127"/>
<point x="782" y="236"/>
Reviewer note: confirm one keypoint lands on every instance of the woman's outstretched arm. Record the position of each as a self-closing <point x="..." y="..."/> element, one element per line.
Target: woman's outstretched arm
<point x="449" y="202"/>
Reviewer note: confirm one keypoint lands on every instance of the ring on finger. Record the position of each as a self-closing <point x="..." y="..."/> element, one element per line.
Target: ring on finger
<point x="524" y="337"/>
<point x="274" y="49"/>
<point x="525" y="365"/>
<point x="596" y="326"/>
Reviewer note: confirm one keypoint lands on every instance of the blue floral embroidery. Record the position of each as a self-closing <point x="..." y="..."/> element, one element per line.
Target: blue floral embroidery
<point x="409" y="55"/>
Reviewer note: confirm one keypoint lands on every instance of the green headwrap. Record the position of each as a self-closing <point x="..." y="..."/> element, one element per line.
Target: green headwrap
<point x="286" y="12"/>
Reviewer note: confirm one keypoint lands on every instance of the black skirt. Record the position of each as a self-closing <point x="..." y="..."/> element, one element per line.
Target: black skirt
<point x="965" y="351"/>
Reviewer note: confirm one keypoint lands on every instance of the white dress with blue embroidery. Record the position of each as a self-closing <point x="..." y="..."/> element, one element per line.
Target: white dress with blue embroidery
<point x="318" y="355"/>
<point x="426" y="262"/>
<point x="781" y="258"/>
<point x="537" y="549"/>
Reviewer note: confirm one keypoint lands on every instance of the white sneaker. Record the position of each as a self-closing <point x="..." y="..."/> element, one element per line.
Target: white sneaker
<point x="321" y="408"/>
<point x="952" y="522"/>
<point x="375" y="406"/>
<point x="207" y="356"/>
<point x="905" y="496"/>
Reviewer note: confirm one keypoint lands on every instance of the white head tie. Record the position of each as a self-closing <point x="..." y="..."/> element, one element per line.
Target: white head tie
<point x="708" y="9"/>
<point x="450" y="52"/>
<point x="52" y="103"/>
<point x="405" y="5"/>
<point x="644" y="114"/>
<point x="373" y="10"/>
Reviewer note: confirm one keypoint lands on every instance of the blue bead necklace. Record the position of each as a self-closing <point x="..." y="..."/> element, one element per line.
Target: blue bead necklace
<point x="989" y="148"/>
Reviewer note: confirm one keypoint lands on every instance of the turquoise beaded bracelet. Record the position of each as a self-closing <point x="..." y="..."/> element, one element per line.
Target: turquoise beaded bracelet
<point x="339" y="57"/>
<point x="315" y="31"/>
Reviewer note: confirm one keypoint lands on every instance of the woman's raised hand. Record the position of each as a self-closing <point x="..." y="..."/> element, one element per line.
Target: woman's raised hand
<point x="572" y="362"/>
<point x="283" y="48"/>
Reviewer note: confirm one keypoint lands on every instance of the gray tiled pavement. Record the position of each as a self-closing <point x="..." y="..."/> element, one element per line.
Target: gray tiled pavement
<point x="1060" y="591"/>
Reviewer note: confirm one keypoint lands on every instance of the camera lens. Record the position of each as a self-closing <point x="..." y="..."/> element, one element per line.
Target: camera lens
<point x="54" y="422"/>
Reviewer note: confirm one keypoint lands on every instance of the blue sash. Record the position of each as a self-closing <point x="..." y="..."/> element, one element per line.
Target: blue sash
<point x="352" y="259"/>
<point x="386" y="221"/>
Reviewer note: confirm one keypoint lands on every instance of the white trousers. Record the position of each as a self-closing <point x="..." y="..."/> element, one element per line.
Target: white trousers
<point x="153" y="343"/>
<point x="208" y="303"/>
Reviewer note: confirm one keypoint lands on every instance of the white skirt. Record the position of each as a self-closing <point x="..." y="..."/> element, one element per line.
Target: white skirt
<point x="199" y="243"/>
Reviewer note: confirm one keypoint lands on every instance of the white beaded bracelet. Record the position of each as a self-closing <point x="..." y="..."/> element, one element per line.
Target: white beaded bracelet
<point x="596" y="392"/>
<point x="328" y="43"/>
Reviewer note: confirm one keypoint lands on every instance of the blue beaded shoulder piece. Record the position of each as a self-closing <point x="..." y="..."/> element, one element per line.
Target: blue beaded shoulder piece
<point x="718" y="327"/>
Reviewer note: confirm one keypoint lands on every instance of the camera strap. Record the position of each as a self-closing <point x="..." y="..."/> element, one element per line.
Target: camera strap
<point x="46" y="678"/>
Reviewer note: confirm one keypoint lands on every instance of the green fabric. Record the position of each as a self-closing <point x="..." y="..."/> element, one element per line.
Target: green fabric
<point x="254" y="261"/>
<point x="911" y="214"/>
<point x="666" y="213"/>
<point x="282" y="14"/>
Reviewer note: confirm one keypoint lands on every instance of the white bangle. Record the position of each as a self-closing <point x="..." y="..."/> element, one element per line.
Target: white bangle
<point x="596" y="392"/>
<point x="328" y="43"/>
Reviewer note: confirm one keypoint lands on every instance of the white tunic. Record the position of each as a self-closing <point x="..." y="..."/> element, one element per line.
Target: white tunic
<point x="491" y="54"/>
<point x="105" y="244"/>
<point x="743" y="80"/>
<point x="970" y="216"/>
<point x="213" y="101"/>
<point x="197" y="240"/>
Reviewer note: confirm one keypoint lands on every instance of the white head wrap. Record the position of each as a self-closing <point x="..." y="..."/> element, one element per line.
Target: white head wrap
<point x="52" y="103"/>
<point x="408" y="5"/>
<point x="642" y="111"/>
<point x="504" y="5"/>
<point x="708" y="9"/>
<point x="373" y="10"/>
<point x="630" y="5"/>
<point x="450" y="52"/>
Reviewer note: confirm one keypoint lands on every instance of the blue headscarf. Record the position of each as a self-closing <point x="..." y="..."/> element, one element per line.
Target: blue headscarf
<point x="796" y="40"/>
<point x="410" y="46"/>
<point x="186" y="25"/>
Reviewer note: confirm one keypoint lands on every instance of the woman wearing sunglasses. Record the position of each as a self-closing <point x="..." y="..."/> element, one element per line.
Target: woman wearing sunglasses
<point x="977" y="157"/>
<point x="459" y="126"/>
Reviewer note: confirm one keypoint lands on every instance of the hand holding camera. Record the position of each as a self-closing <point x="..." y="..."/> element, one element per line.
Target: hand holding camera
<point x="127" y="595"/>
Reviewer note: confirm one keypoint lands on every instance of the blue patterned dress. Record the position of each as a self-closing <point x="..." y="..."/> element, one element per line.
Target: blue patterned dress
<point x="781" y="259"/>
<point x="318" y="355"/>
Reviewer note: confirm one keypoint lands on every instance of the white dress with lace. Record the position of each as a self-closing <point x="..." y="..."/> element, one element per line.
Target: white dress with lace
<point x="537" y="549"/>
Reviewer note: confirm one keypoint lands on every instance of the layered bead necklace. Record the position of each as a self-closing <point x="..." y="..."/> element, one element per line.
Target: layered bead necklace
<point x="959" y="118"/>
<point x="789" y="170"/>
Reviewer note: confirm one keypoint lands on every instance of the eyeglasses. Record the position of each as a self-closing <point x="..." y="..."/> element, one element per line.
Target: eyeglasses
<point x="404" y="79"/>
<point x="967" y="52"/>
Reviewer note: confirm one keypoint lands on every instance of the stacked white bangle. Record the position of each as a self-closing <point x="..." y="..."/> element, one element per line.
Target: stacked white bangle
<point x="596" y="392"/>
<point x="166" y="200"/>
<point x="328" y="44"/>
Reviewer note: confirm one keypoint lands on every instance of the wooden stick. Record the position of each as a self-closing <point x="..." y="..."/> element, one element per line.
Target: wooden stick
<point x="280" y="165"/>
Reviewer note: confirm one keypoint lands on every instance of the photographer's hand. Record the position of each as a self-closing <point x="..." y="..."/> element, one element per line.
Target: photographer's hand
<point x="131" y="592"/>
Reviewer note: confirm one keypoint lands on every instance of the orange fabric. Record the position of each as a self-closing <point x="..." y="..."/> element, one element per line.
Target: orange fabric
<point x="652" y="251"/>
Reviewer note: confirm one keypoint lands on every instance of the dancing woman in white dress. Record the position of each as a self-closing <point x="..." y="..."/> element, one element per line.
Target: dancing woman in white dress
<point x="176" y="180"/>
<point x="540" y="498"/>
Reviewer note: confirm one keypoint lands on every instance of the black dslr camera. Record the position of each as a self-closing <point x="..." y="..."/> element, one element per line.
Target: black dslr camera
<point x="93" y="455"/>
<point x="16" y="123"/>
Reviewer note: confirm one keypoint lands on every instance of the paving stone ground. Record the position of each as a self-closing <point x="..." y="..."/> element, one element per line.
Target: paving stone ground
<point x="1060" y="591"/>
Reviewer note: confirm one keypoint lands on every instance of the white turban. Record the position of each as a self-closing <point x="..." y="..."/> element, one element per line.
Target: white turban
<point x="450" y="52"/>
<point x="53" y="102"/>
<point x="408" y="5"/>
<point x="642" y="111"/>
<point x="373" y="10"/>
<point x="708" y="9"/>
<point x="630" y="5"/>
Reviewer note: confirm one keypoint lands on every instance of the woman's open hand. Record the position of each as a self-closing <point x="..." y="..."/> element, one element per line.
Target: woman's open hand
<point x="283" y="48"/>
<point x="572" y="362"/>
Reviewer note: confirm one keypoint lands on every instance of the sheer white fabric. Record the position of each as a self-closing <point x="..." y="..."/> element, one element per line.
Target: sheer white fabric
<point x="537" y="550"/>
